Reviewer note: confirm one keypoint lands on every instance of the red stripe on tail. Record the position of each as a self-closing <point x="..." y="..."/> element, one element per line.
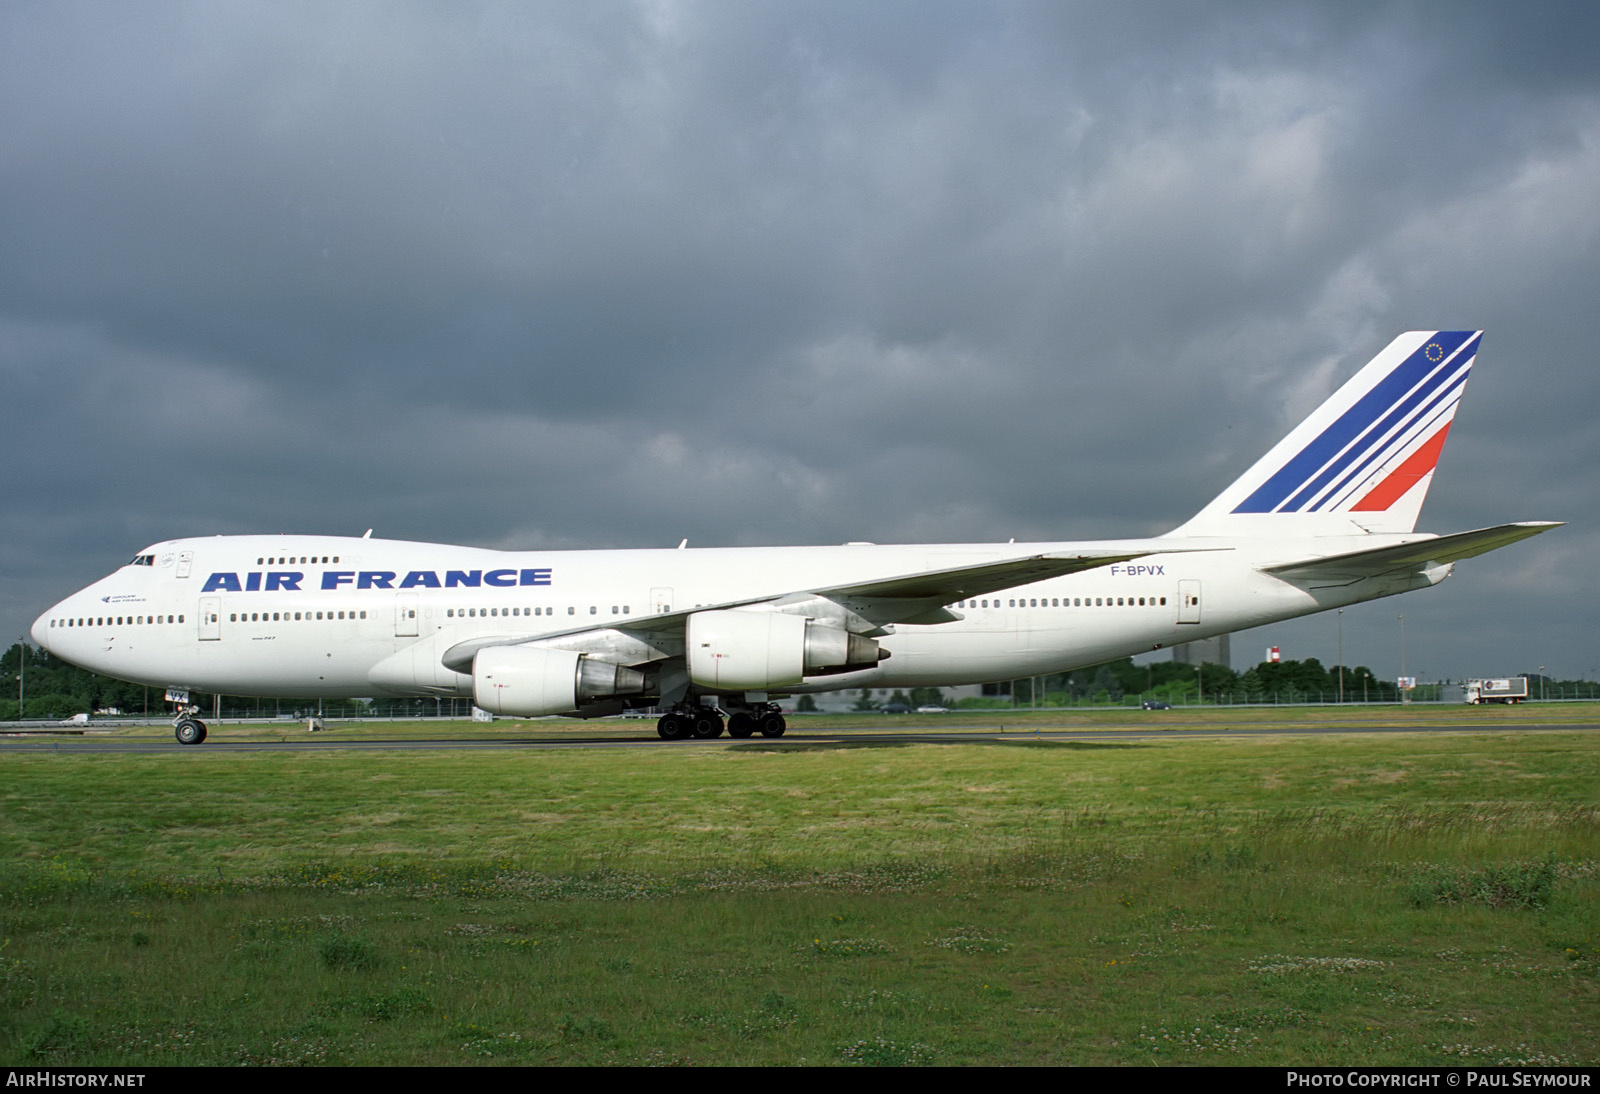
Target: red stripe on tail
<point x="1403" y="478"/>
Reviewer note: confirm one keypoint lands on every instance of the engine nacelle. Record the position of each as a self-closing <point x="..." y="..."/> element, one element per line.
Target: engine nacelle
<point x="757" y="651"/>
<point x="533" y="680"/>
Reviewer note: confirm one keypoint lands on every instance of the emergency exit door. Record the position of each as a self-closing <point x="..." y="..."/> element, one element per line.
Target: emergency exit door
<point x="1188" y="602"/>
<point x="405" y="615"/>
<point x="210" y="618"/>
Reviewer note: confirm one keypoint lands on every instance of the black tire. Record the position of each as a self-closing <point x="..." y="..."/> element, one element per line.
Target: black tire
<point x="189" y="732"/>
<point x="741" y="725"/>
<point x="671" y="727"/>
<point x="707" y="726"/>
<point x="773" y="725"/>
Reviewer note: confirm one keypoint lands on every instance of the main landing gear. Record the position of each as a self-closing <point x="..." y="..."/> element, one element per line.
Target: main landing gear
<point x="763" y="718"/>
<point x="684" y="722"/>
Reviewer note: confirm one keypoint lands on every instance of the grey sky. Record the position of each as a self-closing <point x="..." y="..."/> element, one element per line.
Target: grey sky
<point x="591" y="274"/>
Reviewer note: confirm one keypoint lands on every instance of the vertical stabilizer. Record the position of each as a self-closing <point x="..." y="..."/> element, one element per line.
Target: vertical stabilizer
<point x="1363" y="460"/>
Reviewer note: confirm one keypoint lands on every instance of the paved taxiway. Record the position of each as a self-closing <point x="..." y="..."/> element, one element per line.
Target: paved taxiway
<point x="949" y="734"/>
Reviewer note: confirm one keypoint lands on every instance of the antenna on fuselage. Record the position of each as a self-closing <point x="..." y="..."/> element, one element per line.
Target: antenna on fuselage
<point x="367" y="534"/>
<point x="682" y="544"/>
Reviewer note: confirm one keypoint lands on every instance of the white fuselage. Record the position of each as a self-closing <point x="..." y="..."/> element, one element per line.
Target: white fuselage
<point x="321" y="616"/>
<point x="1324" y="519"/>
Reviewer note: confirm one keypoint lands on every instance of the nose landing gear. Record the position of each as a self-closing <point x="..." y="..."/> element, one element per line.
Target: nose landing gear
<point x="186" y="727"/>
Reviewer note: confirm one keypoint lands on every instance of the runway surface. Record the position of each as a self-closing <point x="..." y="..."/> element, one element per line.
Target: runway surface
<point x="645" y="737"/>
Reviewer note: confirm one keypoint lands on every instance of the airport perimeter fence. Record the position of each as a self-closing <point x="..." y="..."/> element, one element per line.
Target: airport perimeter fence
<point x="1444" y="694"/>
<point x="245" y="709"/>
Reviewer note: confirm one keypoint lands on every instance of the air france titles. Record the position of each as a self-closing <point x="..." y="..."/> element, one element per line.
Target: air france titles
<point x="272" y="581"/>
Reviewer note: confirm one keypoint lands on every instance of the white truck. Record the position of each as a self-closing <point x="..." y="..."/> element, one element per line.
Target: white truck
<point x="1513" y="690"/>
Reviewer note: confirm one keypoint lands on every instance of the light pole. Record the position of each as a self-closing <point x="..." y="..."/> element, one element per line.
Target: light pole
<point x="22" y="677"/>
<point x="1541" y="683"/>
<point x="1405" y="693"/>
<point x="1341" y="656"/>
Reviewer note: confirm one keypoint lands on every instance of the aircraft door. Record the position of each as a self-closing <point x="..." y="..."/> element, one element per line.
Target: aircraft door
<point x="185" y="563"/>
<point x="1188" y="602"/>
<point x="660" y="601"/>
<point x="210" y="618"/>
<point x="405" y="615"/>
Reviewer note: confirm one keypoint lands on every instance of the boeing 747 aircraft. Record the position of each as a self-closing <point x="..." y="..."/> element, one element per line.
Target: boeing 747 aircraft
<point x="1325" y="519"/>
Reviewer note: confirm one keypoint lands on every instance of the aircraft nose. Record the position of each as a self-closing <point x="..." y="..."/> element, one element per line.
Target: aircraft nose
<point x="40" y="631"/>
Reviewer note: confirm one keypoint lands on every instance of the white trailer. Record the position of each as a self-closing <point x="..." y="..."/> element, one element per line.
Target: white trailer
<point x="1513" y="690"/>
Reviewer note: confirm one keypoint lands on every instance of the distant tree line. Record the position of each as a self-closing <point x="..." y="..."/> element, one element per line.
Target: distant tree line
<point x="1307" y="681"/>
<point x="56" y="689"/>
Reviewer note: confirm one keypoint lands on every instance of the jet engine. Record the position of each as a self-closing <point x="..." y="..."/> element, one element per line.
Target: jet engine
<point x="755" y="651"/>
<point x="534" y="680"/>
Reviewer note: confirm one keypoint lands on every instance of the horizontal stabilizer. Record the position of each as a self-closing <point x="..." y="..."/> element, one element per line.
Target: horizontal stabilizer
<point x="1415" y="556"/>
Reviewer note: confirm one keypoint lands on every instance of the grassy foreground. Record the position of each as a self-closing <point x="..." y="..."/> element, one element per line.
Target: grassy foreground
<point x="1405" y="899"/>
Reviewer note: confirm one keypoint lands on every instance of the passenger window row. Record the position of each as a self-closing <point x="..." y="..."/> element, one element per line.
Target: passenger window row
<point x="624" y="609"/>
<point x="1067" y="602"/>
<point x="485" y="613"/>
<point x="288" y="617"/>
<point x="115" y="620"/>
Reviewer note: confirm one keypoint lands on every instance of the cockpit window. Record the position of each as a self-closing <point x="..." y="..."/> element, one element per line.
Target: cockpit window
<point x="142" y="560"/>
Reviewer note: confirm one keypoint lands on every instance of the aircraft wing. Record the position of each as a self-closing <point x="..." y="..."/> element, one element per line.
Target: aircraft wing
<point x="1420" y="555"/>
<point x="984" y="577"/>
<point x="917" y="598"/>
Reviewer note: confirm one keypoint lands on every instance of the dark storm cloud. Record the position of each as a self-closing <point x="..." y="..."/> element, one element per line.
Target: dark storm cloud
<point x="615" y="274"/>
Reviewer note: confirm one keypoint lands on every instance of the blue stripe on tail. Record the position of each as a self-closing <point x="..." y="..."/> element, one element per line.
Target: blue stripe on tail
<point x="1332" y="452"/>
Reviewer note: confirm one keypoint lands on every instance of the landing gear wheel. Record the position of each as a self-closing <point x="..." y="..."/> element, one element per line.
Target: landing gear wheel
<point x="671" y="727"/>
<point x="773" y="725"/>
<point x="190" y="731"/>
<point x="707" y="726"/>
<point x="741" y="725"/>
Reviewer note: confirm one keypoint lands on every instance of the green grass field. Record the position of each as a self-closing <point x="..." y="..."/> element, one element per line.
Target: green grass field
<point x="1418" y="898"/>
